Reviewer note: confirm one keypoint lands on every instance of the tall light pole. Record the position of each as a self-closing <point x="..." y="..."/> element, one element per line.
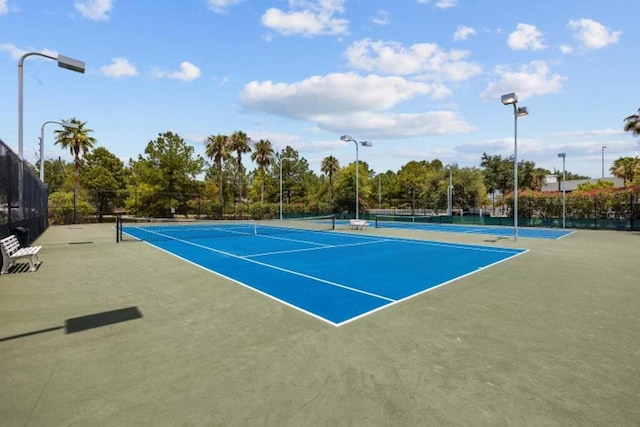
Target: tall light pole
<point x="512" y="98"/>
<point x="68" y="125"/>
<point x="450" y="194"/>
<point x="603" y="147"/>
<point x="63" y="62"/>
<point x="379" y="191"/>
<point x="364" y="144"/>
<point x="281" y="159"/>
<point x="564" y="179"/>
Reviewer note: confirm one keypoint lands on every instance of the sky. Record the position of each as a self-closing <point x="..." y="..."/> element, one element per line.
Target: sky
<point x="419" y="79"/>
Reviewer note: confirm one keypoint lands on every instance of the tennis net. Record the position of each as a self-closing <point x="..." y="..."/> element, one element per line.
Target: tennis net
<point x="157" y="229"/>
<point x="389" y="221"/>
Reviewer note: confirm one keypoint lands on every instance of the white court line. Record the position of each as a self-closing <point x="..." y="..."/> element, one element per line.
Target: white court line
<point x="428" y="289"/>
<point x="313" y="249"/>
<point x="296" y="273"/>
<point x="267" y="236"/>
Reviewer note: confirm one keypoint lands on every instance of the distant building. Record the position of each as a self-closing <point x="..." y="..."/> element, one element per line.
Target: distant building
<point x="552" y="183"/>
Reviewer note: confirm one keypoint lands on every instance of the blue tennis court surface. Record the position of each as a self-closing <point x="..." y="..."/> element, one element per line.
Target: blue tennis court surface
<point x="502" y="231"/>
<point x="336" y="277"/>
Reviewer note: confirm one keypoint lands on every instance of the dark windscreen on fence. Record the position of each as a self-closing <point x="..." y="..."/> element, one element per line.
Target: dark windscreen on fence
<point x="23" y="198"/>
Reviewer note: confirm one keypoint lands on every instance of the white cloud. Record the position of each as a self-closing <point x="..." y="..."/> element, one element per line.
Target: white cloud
<point x="402" y="125"/>
<point x="445" y="4"/>
<point x="96" y="10"/>
<point x="307" y="18"/>
<point x="120" y="67"/>
<point x="566" y="49"/>
<point x="463" y="32"/>
<point x="442" y="4"/>
<point x="221" y="6"/>
<point x="421" y="58"/>
<point x="532" y="79"/>
<point x="4" y="8"/>
<point x="526" y="37"/>
<point x="339" y="101"/>
<point x="187" y="73"/>
<point x="381" y="18"/>
<point x="592" y="34"/>
<point x="17" y="53"/>
<point x="333" y="94"/>
<point x="589" y="133"/>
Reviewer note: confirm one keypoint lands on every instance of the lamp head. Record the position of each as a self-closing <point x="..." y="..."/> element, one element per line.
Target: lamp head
<point x="522" y="111"/>
<point x="70" y="64"/>
<point x="563" y="155"/>
<point x="69" y="125"/>
<point x="366" y="144"/>
<point x="346" y="138"/>
<point x="510" y="98"/>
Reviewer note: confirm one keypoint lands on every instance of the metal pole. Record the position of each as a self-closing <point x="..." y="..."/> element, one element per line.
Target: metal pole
<point x="42" y="152"/>
<point x="515" y="171"/>
<point x="379" y="192"/>
<point x="450" y="194"/>
<point x="281" y="189"/>
<point x="357" y="182"/>
<point x="603" y="147"/>
<point x="564" y="180"/>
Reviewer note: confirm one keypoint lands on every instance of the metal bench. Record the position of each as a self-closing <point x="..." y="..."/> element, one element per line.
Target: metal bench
<point x="11" y="251"/>
<point x="358" y="224"/>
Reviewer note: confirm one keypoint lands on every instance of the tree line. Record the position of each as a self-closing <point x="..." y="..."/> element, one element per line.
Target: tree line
<point x="169" y="179"/>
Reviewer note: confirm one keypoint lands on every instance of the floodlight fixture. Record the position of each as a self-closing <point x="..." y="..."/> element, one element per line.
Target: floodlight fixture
<point x="71" y="64"/>
<point x="510" y="98"/>
<point x="364" y="144"/>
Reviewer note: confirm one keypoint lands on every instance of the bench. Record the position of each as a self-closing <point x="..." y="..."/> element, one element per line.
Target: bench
<point x="11" y="251"/>
<point x="358" y="224"/>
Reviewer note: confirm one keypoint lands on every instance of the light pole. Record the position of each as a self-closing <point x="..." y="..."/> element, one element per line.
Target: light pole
<point x="281" y="159"/>
<point x="512" y="98"/>
<point x="603" y="147"/>
<point x="450" y="194"/>
<point x="63" y="62"/>
<point x="364" y="144"/>
<point x="564" y="179"/>
<point x="68" y="125"/>
<point x="379" y="192"/>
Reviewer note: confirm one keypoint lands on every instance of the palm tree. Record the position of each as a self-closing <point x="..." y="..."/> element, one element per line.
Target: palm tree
<point x="626" y="168"/>
<point x="78" y="141"/>
<point x="217" y="149"/>
<point x="263" y="156"/>
<point x="633" y="124"/>
<point x="239" y="142"/>
<point x="330" y="166"/>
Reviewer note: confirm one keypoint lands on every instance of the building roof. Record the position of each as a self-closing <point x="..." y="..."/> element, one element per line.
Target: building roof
<point x="571" y="185"/>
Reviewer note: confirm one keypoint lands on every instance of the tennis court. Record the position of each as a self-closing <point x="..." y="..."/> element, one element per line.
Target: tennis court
<point x="419" y="223"/>
<point x="333" y="276"/>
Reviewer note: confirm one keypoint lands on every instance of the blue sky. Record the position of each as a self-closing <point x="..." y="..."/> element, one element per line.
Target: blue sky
<point x="421" y="79"/>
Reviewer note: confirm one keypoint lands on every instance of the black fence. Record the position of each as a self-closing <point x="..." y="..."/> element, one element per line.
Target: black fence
<point x="608" y="210"/>
<point x="23" y="198"/>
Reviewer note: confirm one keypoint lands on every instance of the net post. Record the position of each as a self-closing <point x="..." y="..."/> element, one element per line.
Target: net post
<point x="376" y="221"/>
<point x="118" y="228"/>
<point x="333" y="222"/>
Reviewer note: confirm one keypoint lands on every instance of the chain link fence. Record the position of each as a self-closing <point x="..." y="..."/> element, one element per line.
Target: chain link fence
<point x="23" y="198"/>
